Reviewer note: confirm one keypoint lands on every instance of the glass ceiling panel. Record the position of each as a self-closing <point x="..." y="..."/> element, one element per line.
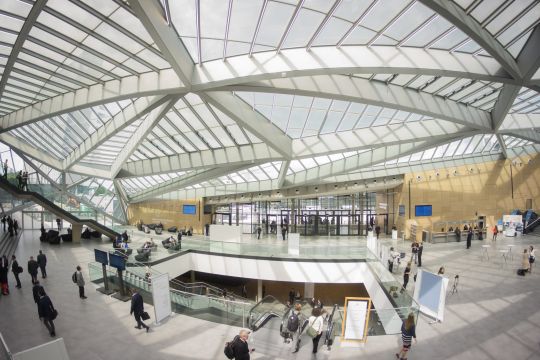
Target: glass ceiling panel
<point x="527" y="102"/>
<point x="301" y="116"/>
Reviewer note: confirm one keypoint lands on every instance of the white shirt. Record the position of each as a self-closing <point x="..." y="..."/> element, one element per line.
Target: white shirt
<point x="317" y="323"/>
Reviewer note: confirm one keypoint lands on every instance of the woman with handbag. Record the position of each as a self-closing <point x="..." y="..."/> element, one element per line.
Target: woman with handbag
<point x="315" y="327"/>
<point x="47" y="311"/>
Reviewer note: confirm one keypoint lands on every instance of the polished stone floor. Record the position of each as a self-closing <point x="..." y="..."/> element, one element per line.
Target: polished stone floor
<point x="495" y="315"/>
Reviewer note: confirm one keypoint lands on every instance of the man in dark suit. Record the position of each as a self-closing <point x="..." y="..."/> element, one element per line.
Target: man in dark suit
<point x="33" y="269"/>
<point x="42" y="262"/>
<point x="46" y="312"/>
<point x="15" y="270"/>
<point x="240" y="346"/>
<point x="36" y="290"/>
<point x="137" y="309"/>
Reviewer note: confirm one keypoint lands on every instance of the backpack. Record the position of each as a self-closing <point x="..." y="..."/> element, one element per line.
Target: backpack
<point x="293" y="322"/>
<point x="229" y="350"/>
<point x="74" y="277"/>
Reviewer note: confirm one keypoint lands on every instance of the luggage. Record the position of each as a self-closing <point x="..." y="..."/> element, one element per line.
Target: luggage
<point x="521" y="272"/>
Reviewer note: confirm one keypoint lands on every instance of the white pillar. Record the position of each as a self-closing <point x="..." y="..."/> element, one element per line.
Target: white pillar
<point x="309" y="290"/>
<point x="259" y="290"/>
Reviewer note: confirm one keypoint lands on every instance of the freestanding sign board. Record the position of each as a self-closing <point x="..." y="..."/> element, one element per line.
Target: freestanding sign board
<point x="161" y="296"/>
<point x="356" y="319"/>
<point x="430" y="293"/>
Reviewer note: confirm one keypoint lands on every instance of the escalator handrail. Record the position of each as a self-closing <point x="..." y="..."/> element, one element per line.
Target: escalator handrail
<point x="330" y="327"/>
<point x="8" y="186"/>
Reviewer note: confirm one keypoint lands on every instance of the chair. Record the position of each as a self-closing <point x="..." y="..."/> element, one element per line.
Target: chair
<point x="142" y="250"/>
<point x="158" y="230"/>
<point x="144" y="257"/>
<point x="52" y="237"/>
<point x="66" y="237"/>
<point x="172" y="229"/>
<point x="166" y="243"/>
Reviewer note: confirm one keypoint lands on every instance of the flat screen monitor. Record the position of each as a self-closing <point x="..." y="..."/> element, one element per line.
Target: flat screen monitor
<point x="423" y="210"/>
<point x="117" y="261"/>
<point x="189" y="209"/>
<point x="101" y="256"/>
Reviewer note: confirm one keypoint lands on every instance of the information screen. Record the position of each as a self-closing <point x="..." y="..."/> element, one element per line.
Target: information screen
<point x="117" y="261"/>
<point x="189" y="209"/>
<point x="423" y="210"/>
<point x="101" y="256"/>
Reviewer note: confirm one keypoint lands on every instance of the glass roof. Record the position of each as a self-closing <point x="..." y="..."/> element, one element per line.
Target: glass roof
<point x="73" y="69"/>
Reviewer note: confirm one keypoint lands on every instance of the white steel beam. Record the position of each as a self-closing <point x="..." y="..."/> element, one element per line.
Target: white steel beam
<point x="186" y="180"/>
<point x="148" y="84"/>
<point x="235" y="155"/>
<point x="502" y="145"/>
<point x="124" y="118"/>
<point x="466" y="23"/>
<point x="283" y="173"/>
<point x="140" y="134"/>
<point x="31" y="151"/>
<point x="21" y="38"/>
<point x="530" y="135"/>
<point x="327" y="60"/>
<point x="364" y="159"/>
<point x="360" y="90"/>
<point x="528" y="62"/>
<point x="251" y="120"/>
<point x="153" y="19"/>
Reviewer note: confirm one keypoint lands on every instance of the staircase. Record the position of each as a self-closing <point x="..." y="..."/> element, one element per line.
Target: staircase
<point x="8" y="244"/>
<point x="55" y="209"/>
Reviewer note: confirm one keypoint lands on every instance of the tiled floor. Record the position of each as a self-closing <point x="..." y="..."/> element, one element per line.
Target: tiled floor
<point x="495" y="315"/>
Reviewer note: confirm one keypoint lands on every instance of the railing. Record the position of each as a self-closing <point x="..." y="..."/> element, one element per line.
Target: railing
<point x="532" y="224"/>
<point x="199" y="288"/>
<point x="38" y="194"/>
<point x="5" y="353"/>
<point x="216" y="309"/>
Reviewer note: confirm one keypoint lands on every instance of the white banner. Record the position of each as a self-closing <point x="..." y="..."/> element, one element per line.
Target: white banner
<point x="355" y="322"/>
<point x="161" y="296"/>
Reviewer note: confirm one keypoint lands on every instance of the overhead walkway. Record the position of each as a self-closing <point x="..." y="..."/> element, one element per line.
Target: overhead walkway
<point x="36" y="196"/>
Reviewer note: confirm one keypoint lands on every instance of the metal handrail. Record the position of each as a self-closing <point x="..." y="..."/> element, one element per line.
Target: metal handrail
<point x="531" y="223"/>
<point x="7" y="352"/>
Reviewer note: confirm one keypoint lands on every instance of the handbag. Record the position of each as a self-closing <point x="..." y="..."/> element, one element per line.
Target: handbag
<point x="145" y="316"/>
<point x="54" y="314"/>
<point x="20" y="270"/>
<point x="311" y="330"/>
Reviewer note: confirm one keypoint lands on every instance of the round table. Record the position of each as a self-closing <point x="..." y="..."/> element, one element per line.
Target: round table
<point x="485" y="251"/>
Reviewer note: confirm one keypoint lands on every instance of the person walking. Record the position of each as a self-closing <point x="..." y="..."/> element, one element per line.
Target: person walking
<point x="406" y="274"/>
<point x="414" y="251"/>
<point x="240" y="346"/>
<point x="495" y="232"/>
<point x="408" y="332"/>
<point x="137" y="310"/>
<point x="15" y="226"/>
<point x="532" y="257"/>
<point x="80" y="282"/>
<point x="47" y="312"/>
<point x="283" y="232"/>
<point x="377" y="231"/>
<point x="392" y="258"/>
<point x="59" y="224"/>
<point x="4" y="222"/>
<point x="33" y="269"/>
<point x="42" y="262"/>
<point x="4" y="270"/>
<point x="5" y="169"/>
<point x="16" y="269"/>
<point x="36" y="290"/>
<point x="10" y="225"/>
<point x="420" y="250"/>
<point x="25" y="181"/>
<point x="316" y="323"/>
<point x="259" y="230"/>
<point x="469" y="237"/>
<point x="19" y="180"/>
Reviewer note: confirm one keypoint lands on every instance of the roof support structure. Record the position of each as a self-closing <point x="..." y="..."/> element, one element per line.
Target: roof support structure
<point x="124" y="118"/>
<point x="236" y="155"/>
<point x="21" y="38"/>
<point x="283" y="173"/>
<point x="346" y="88"/>
<point x="187" y="180"/>
<point x="457" y="16"/>
<point x="154" y="20"/>
<point x="362" y="160"/>
<point x="152" y="83"/>
<point x="502" y="145"/>
<point x="140" y="134"/>
<point x="238" y="110"/>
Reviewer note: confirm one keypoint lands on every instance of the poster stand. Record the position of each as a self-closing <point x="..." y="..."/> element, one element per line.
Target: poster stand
<point x="430" y="294"/>
<point x="122" y="296"/>
<point x="105" y="288"/>
<point x="161" y="297"/>
<point x="355" y="319"/>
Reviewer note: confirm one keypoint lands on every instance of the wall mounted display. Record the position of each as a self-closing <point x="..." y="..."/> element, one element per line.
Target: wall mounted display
<point x="189" y="209"/>
<point x="423" y="210"/>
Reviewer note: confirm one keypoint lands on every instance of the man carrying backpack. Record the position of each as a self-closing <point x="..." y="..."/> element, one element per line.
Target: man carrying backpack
<point x="78" y="279"/>
<point x="238" y="349"/>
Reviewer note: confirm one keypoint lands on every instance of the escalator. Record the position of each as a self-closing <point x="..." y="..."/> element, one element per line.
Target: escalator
<point x="41" y="200"/>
